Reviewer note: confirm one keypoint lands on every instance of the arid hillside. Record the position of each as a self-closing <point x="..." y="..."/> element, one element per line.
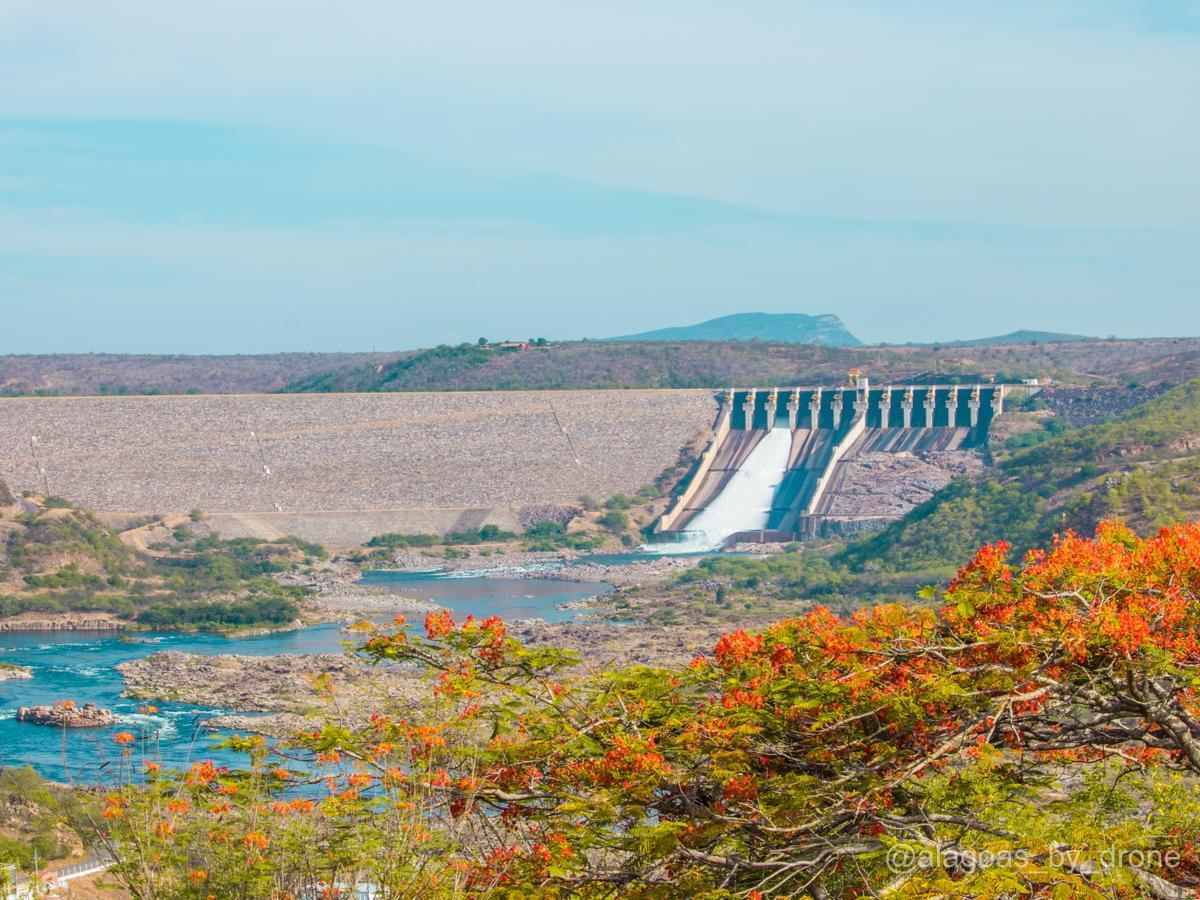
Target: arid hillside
<point x="599" y="365"/>
<point x="112" y="373"/>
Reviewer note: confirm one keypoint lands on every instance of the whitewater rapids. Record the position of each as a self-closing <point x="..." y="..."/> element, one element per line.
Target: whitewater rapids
<point x="745" y="502"/>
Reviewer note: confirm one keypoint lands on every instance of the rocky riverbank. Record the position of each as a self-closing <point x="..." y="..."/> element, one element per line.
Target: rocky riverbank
<point x="604" y="644"/>
<point x="297" y="686"/>
<point x="641" y="571"/>
<point x="562" y="565"/>
<point x="64" y="622"/>
<point x="355" y="601"/>
<point x="275" y="725"/>
<point x="337" y="595"/>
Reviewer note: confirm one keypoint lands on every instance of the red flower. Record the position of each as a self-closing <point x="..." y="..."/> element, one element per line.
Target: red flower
<point x="735" y="648"/>
<point x="438" y="624"/>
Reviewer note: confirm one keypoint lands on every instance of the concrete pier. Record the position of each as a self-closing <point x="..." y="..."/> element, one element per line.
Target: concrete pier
<point x="859" y="404"/>
<point x="906" y="406"/>
<point x="793" y="409"/>
<point x="772" y="407"/>
<point x="814" y="409"/>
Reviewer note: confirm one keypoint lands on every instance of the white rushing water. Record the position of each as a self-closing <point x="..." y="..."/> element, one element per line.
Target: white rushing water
<point x="745" y="502"/>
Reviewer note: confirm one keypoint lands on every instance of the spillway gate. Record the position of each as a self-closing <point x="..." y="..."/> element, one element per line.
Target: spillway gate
<point x="829" y="427"/>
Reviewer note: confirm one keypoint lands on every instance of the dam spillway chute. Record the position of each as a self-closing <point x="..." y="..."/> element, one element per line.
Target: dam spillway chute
<point x="822" y="449"/>
<point x="745" y="500"/>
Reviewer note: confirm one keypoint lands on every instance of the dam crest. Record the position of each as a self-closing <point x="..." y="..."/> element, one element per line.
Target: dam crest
<point x="786" y="464"/>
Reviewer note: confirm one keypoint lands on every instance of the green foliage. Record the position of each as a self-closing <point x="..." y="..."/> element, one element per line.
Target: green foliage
<point x="1052" y="428"/>
<point x="723" y="588"/>
<point x="274" y="609"/>
<point x="547" y="536"/>
<point x="476" y="535"/>
<point x="310" y="549"/>
<point x="481" y="535"/>
<point x="45" y="536"/>
<point x="393" y="541"/>
<point x="97" y="572"/>
<point x="614" y="520"/>
<point x="37" y="813"/>
<point x="68" y="577"/>
<point x="649" y="492"/>
<point x="618" y="501"/>
<point x="443" y="363"/>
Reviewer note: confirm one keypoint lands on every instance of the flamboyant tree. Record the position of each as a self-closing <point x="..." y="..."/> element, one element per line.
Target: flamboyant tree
<point x="1036" y="735"/>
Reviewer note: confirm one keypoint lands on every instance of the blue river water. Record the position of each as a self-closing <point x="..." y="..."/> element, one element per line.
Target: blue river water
<point x="79" y="666"/>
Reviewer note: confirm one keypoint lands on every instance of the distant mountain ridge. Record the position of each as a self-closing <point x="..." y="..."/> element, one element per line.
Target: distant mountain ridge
<point x="1024" y="336"/>
<point x="790" y="328"/>
<point x="597" y="365"/>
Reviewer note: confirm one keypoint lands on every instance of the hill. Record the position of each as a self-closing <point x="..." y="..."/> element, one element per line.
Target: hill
<point x="59" y="563"/>
<point x="790" y="328"/>
<point x="1143" y="466"/>
<point x="719" y="364"/>
<point x="121" y="373"/>
<point x="1024" y="336"/>
<point x="600" y="364"/>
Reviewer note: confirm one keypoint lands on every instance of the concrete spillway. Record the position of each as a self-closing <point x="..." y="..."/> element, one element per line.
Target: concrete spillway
<point x="822" y="436"/>
<point x="744" y="500"/>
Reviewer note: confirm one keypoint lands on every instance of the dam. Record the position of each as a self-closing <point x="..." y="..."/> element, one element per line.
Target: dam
<point x="341" y="468"/>
<point x="788" y="464"/>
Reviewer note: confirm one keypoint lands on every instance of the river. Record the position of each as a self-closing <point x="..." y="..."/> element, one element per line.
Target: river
<point x="79" y="666"/>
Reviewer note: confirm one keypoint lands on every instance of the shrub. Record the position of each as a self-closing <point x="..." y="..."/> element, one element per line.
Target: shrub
<point x="614" y="520"/>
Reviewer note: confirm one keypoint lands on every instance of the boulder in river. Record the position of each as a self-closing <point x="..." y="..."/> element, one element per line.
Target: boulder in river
<point x="12" y="672"/>
<point x="65" y="715"/>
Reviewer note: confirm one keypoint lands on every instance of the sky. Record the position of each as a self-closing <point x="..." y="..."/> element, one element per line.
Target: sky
<point x="234" y="177"/>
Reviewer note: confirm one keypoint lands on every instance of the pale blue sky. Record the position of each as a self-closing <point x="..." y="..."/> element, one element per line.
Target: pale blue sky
<point x="233" y="177"/>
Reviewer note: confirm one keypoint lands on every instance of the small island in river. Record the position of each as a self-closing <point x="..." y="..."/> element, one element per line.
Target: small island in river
<point x="66" y="715"/>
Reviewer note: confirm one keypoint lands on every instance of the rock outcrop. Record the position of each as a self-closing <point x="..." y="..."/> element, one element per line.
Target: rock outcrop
<point x="63" y="622"/>
<point x="10" y="672"/>
<point x="282" y="683"/>
<point x="67" y="716"/>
